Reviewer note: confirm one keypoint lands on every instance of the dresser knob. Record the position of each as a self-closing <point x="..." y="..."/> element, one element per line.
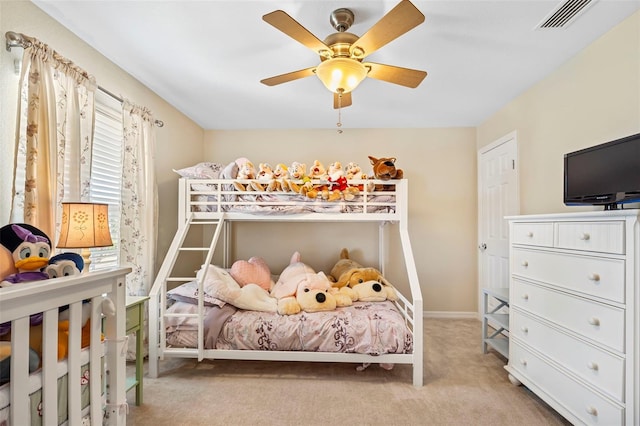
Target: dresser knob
<point x="530" y="234"/>
<point x="594" y="277"/>
<point x="594" y="321"/>
<point x="592" y="411"/>
<point x="524" y="329"/>
<point x="585" y="236"/>
<point x="525" y="263"/>
<point x="523" y="362"/>
<point x="592" y="366"/>
<point x="525" y="296"/>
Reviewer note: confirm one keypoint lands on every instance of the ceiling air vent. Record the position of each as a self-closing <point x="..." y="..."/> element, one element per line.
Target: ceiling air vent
<point x="565" y="13"/>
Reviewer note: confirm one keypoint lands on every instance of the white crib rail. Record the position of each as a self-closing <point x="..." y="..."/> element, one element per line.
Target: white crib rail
<point x="19" y="302"/>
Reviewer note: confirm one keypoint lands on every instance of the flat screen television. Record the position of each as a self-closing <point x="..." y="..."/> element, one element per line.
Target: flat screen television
<point x="607" y="174"/>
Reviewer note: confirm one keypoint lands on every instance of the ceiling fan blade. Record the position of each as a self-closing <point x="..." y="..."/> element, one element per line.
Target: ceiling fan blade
<point x="285" y="23"/>
<point x="341" y="103"/>
<point x="398" y="21"/>
<point x="397" y="75"/>
<point x="290" y="76"/>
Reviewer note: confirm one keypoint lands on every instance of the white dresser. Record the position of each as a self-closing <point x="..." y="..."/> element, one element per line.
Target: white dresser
<point x="575" y="313"/>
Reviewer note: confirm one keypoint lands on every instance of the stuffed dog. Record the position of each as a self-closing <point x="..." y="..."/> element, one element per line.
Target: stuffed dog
<point x="300" y="288"/>
<point x="361" y="283"/>
<point x="385" y="169"/>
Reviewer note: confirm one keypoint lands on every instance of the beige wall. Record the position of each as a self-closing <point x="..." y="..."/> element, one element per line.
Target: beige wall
<point x="440" y="165"/>
<point x="591" y="99"/>
<point x="179" y="142"/>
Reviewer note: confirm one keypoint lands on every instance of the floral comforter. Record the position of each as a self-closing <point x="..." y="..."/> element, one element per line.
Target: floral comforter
<point x="367" y="328"/>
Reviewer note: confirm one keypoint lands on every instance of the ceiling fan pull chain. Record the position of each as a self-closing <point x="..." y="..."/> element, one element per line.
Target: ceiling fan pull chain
<point x="339" y="123"/>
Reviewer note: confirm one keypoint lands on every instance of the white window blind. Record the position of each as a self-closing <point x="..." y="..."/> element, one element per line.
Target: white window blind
<point x="106" y="173"/>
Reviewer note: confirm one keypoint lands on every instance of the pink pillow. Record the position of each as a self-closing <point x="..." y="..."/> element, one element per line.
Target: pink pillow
<point x="255" y="271"/>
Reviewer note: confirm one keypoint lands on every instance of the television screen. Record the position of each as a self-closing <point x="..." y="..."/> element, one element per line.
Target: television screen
<point x="607" y="174"/>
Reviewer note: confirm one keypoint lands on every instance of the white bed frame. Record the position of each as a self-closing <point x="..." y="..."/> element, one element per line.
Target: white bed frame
<point x="189" y="201"/>
<point x="18" y="302"/>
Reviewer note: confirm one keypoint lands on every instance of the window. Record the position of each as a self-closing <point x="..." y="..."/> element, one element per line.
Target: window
<point x="106" y="173"/>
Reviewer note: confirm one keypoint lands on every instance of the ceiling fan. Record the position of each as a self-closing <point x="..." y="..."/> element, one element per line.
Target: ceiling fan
<point x="341" y="68"/>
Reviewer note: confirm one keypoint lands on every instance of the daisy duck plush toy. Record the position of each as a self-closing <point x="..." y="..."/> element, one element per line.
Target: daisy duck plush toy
<point x="30" y="249"/>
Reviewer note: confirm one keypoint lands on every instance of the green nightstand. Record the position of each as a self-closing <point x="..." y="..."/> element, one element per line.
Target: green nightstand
<point x="135" y="321"/>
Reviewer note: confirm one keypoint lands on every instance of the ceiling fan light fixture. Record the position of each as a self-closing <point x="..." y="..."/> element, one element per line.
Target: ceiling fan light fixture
<point x="341" y="75"/>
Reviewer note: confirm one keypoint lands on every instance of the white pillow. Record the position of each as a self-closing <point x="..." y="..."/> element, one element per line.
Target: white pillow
<point x="188" y="293"/>
<point x="220" y="284"/>
<point x="204" y="170"/>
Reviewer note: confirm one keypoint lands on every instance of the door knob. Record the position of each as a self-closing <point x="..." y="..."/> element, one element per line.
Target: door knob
<point x="482" y="246"/>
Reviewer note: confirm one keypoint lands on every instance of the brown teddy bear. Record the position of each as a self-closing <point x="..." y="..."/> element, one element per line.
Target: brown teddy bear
<point x="360" y="283"/>
<point x="384" y="168"/>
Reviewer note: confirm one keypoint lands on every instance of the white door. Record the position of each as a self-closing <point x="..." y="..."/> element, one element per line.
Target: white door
<point x="497" y="198"/>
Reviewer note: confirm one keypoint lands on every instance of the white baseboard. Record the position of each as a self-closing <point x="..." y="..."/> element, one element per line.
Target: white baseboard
<point x="451" y="315"/>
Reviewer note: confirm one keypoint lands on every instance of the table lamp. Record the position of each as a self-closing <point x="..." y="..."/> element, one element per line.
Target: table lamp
<point x="84" y="226"/>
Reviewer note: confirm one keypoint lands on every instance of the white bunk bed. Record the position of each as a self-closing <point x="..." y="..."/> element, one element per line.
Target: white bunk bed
<point x="103" y="359"/>
<point x="216" y="202"/>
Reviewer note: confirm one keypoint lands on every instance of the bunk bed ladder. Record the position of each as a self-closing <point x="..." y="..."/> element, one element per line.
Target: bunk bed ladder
<point x="158" y="294"/>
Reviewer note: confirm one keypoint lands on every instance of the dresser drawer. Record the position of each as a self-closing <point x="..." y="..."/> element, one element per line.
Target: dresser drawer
<point x="596" y="276"/>
<point x="532" y="233"/>
<point x="588" y="406"/>
<point x="604" y="237"/>
<point x="600" y="368"/>
<point x="596" y="321"/>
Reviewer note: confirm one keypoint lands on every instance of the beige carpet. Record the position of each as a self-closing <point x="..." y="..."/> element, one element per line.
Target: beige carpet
<point x="462" y="387"/>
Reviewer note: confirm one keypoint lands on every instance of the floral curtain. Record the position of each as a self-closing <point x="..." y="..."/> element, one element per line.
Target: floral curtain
<point x="55" y="131"/>
<point x="139" y="222"/>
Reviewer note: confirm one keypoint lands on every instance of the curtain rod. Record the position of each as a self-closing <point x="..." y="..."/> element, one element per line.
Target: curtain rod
<point x="158" y="123"/>
<point x="14" y="39"/>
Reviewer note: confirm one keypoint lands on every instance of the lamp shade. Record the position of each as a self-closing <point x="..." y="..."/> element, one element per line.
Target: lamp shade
<point x="84" y="225"/>
<point x="341" y="74"/>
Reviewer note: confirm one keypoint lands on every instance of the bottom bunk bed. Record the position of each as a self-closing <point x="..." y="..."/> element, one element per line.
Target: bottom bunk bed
<point x="87" y="385"/>
<point x="187" y="321"/>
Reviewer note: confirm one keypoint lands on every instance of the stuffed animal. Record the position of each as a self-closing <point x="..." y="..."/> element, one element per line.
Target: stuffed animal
<point x="63" y="329"/>
<point x="385" y="169"/>
<point x="252" y="271"/>
<point x="30" y="249"/>
<point x="36" y="332"/>
<point x="246" y="171"/>
<point x="300" y="288"/>
<point x="354" y="171"/>
<point x="220" y="284"/>
<point x="317" y="171"/>
<point x="264" y="176"/>
<point x="338" y="188"/>
<point x="297" y="176"/>
<point x="64" y="265"/>
<point x="5" y="362"/>
<point x="367" y="284"/>
<point x="280" y="174"/>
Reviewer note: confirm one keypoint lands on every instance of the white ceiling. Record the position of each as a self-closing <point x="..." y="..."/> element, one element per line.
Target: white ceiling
<point x="206" y="58"/>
